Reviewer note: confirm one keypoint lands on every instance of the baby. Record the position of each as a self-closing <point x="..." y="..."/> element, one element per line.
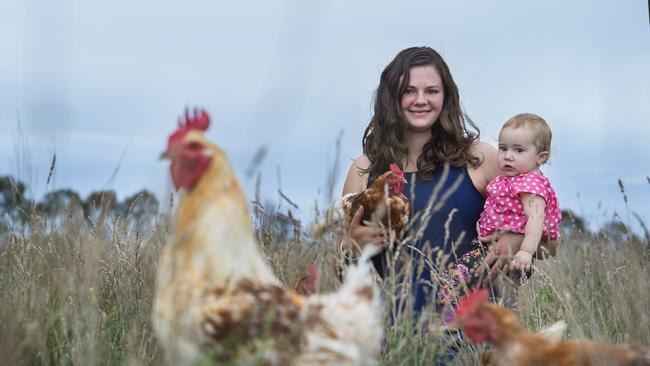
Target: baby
<point x="520" y="201"/>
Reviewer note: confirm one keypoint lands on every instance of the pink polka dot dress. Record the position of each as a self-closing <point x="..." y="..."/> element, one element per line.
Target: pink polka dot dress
<point x="503" y="205"/>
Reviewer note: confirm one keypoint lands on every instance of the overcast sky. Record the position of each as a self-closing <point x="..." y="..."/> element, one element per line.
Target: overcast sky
<point x="101" y="84"/>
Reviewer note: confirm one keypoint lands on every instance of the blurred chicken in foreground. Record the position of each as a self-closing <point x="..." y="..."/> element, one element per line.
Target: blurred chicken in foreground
<point x="483" y="321"/>
<point x="216" y="297"/>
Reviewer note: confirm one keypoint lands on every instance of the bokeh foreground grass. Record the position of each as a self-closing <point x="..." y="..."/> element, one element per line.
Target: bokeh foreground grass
<point x="80" y="292"/>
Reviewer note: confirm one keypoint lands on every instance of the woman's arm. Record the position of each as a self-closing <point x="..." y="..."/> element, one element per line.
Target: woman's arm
<point x="489" y="168"/>
<point x="356" y="179"/>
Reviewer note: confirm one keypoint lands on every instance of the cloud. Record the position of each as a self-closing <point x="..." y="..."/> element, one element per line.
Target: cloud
<point x="89" y="79"/>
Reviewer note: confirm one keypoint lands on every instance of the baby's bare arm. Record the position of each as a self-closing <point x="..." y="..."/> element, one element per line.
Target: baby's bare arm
<point x="534" y="206"/>
<point x="534" y="209"/>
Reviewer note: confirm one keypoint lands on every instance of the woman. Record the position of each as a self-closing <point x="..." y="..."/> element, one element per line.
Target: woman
<point x="418" y="124"/>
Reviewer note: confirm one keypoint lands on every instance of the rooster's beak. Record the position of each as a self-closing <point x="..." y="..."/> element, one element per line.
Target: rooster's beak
<point x="171" y="153"/>
<point x="166" y="155"/>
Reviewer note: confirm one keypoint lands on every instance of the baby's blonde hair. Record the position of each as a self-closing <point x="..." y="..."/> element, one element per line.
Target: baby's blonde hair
<point x="537" y="124"/>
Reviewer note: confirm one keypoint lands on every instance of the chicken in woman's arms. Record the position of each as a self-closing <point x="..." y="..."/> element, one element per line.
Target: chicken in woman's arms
<point x="382" y="203"/>
<point x="216" y="296"/>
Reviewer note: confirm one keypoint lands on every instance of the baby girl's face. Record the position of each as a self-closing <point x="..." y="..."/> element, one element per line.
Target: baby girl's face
<point x="517" y="151"/>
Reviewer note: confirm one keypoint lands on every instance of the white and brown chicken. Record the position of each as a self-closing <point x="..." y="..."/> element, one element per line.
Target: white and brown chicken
<point x="216" y="296"/>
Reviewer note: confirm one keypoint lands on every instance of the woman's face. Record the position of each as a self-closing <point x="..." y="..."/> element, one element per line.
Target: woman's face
<point x="423" y="99"/>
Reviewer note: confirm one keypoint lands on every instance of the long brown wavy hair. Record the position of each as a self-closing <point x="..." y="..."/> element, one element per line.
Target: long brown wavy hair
<point x="383" y="141"/>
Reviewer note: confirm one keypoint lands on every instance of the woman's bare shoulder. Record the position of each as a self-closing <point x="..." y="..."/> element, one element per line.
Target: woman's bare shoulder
<point x="482" y="149"/>
<point x="489" y="167"/>
<point x="361" y="162"/>
<point x="357" y="178"/>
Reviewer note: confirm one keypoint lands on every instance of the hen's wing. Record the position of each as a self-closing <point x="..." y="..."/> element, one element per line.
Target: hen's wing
<point x="349" y="206"/>
<point x="400" y="212"/>
<point x="248" y="313"/>
<point x="249" y="305"/>
<point x="341" y="328"/>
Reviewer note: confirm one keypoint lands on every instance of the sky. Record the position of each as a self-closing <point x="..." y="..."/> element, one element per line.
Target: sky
<point x="101" y="84"/>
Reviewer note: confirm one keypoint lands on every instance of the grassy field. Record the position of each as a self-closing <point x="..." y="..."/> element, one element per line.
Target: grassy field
<point x="80" y="293"/>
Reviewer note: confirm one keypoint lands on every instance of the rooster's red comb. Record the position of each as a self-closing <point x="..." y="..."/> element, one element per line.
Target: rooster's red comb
<point x="472" y="301"/>
<point x="396" y="170"/>
<point x="200" y="120"/>
<point x="197" y="120"/>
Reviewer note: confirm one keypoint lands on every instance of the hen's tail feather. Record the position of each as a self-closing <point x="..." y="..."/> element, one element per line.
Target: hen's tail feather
<point x="554" y="332"/>
<point x="368" y="252"/>
<point x="360" y="275"/>
<point x="359" y="328"/>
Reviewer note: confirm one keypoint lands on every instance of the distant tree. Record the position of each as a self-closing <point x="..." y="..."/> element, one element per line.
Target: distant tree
<point x="13" y="203"/>
<point x="100" y="205"/>
<point x="572" y="224"/>
<point x="617" y="231"/>
<point x="140" y="209"/>
<point x="5" y="226"/>
<point x="61" y="201"/>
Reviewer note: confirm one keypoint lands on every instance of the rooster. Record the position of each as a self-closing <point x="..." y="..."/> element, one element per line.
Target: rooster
<point x="483" y="322"/>
<point x="385" y="194"/>
<point x="217" y="298"/>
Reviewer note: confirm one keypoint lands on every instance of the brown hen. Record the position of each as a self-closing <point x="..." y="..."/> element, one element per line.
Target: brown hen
<point x="485" y="322"/>
<point x="383" y="202"/>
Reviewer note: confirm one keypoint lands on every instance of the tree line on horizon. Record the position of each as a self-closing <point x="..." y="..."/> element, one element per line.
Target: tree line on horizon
<point x="141" y="209"/>
<point x="17" y="210"/>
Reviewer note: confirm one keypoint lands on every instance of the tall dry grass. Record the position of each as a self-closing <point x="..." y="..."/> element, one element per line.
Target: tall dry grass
<point x="600" y="287"/>
<point x="80" y="293"/>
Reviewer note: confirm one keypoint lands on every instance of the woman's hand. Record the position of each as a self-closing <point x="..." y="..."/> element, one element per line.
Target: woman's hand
<point x="364" y="235"/>
<point x="500" y="254"/>
<point x="490" y="266"/>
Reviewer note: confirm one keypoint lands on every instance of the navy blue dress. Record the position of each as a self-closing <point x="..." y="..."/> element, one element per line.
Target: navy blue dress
<point x="450" y="229"/>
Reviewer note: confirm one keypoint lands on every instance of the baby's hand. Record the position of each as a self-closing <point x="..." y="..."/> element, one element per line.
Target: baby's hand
<point x="522" y="261"/>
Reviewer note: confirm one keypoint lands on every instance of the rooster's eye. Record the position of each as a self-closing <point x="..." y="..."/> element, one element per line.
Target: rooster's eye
<point x="195" y="146"/>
